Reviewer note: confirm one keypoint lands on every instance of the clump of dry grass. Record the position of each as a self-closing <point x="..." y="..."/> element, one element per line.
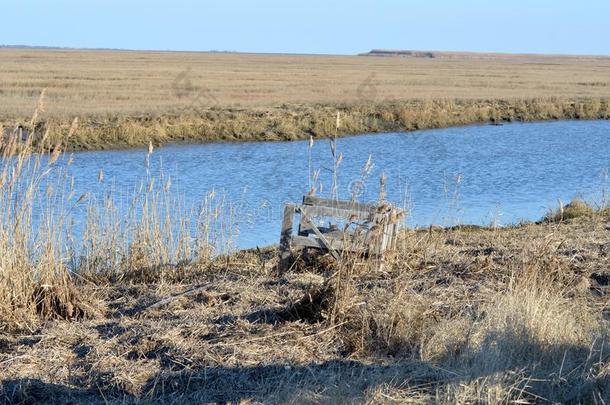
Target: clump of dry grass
<point x="577" y="208"/>
<point x="533" y="341"/>
<point x="504" y="321"/>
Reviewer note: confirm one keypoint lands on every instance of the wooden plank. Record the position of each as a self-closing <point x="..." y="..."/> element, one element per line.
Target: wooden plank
<point x="303" y="241"/>
<point x="304" y="228"/>
<point x="347" y="205"/>
<point x="394" y="240"/>
<point x="286" y="237"/>
<point x="319" y="234"/>
<point x="313" y="211"/>
<point x="374" y="242"/>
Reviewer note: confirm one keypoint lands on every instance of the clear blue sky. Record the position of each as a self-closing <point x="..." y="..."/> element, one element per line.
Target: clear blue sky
<point x="311" y="26"/>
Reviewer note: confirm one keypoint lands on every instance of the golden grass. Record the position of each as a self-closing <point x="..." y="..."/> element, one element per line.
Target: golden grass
<point x="577" y="209"/>
<point x="130" y="98"/>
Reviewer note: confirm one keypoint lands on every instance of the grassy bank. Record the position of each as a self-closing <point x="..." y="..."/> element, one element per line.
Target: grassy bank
<point x="318" y="121"/>
<point x="126" y="99"/>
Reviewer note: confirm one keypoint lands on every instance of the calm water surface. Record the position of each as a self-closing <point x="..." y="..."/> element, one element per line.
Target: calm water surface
<point x="478" y="174"/>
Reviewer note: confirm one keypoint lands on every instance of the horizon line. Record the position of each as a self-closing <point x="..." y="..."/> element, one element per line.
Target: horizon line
<point x="365" y="53"/>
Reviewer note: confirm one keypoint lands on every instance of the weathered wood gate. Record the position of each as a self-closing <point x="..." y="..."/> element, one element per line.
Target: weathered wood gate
<point x="367" y="229"/>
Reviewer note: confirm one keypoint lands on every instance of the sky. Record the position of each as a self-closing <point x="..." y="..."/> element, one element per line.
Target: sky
<point x="311" y="26"/>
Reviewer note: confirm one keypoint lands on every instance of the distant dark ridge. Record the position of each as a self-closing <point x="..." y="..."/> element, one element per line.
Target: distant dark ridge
<point x="403" y="53"/>
<point x="474" y="55"/>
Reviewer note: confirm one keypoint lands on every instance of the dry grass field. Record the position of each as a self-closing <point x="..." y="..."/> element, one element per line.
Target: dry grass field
<point x="130" y="98"/>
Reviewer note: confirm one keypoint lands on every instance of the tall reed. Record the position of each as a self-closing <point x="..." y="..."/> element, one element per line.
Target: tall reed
<point x="34" y="223"/>
<point x="47" y="250"/>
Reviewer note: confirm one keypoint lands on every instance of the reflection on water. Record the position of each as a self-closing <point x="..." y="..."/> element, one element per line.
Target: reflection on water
<point x="477" y="174"/>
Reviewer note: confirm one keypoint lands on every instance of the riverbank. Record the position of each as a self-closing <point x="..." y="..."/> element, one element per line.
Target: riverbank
<point x="317" y="121"/>
<point x="128" y="99"/>
<point x="457" y="315"/>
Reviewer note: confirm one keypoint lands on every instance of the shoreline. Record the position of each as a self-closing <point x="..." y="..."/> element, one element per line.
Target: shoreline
<point x="299" y="122"/>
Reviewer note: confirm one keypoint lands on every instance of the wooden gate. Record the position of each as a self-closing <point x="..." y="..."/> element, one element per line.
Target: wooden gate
<point x="367" y="229"/>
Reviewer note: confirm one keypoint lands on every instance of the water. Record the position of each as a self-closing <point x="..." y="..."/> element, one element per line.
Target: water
<point x="477" y="174"/>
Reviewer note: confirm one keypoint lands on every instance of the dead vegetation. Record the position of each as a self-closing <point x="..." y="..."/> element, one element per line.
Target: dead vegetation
<point x="577" y="209"/>
<point x="127" y="99"/>
<point x="493" y="316"/>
